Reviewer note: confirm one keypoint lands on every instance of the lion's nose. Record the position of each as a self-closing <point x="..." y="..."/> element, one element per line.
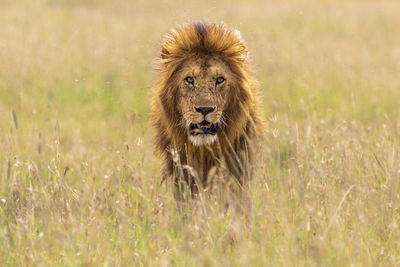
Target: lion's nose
<point x="204" y="110"/>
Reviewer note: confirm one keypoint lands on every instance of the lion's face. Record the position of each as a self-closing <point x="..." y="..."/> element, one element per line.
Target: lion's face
<point x="204" y="85"/>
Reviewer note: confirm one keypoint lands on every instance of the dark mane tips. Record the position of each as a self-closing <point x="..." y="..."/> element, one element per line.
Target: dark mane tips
<point x="206" y="38"/>
<point x="201" y="29"/>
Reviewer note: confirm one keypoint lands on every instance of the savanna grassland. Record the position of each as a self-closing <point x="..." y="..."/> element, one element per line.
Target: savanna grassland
<point x="79" y="181"/>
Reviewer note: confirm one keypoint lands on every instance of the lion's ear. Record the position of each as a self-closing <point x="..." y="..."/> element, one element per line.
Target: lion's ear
<point x="242" y="49"/>
<point x="164" y="53"/>
<point x="244" y="52"/>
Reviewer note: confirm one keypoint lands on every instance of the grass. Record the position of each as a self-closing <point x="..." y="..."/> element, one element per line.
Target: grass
<point x="79" y="182"/>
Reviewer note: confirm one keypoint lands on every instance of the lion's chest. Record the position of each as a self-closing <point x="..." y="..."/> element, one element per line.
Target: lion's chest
<point x="202" y="165"/>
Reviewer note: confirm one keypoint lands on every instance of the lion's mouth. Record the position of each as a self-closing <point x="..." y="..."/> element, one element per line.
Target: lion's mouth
<point x="203" y="127"/>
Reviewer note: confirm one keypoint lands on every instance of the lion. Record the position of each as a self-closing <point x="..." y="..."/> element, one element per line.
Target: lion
<point x="205" y="109"/>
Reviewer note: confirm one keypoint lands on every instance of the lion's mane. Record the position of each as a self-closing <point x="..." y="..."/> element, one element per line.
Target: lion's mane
<point x="244" y="126"/>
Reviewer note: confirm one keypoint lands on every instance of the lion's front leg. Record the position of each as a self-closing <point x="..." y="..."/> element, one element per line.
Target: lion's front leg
<point x="240" y="204"/>
<point x="184" y="182"/>
<point x="240" y="201"/>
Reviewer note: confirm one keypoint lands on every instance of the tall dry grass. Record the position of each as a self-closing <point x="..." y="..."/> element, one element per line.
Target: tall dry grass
<point x="79" y="184"/>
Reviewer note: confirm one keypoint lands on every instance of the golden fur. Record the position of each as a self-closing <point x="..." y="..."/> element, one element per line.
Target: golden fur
<point x="205" y="50"/>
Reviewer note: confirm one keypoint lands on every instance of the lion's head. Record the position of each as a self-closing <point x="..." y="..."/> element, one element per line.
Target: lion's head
<point x="204" y="84"/>
<point x="205" y="91"/>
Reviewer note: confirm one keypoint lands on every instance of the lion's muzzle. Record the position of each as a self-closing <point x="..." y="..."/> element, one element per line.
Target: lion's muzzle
<point x="204" y="127"/>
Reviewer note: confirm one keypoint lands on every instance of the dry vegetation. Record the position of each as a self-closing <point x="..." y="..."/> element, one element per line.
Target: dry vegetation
<point x="79" y="183"/>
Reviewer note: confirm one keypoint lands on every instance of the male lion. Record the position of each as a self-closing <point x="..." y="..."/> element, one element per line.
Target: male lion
<point x="205" y="110"/>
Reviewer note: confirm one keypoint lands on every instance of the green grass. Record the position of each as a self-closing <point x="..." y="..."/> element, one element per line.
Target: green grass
<point x="79" y="181"/>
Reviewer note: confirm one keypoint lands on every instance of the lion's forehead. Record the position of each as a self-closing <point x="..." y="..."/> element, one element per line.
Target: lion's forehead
<point x="205" y="67"/>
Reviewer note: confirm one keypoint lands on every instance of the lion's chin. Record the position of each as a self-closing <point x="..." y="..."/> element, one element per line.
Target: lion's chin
<point x="202" y="139"/>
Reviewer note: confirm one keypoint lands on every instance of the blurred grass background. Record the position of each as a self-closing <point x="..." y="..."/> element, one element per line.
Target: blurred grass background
<point x="80" y="185"/>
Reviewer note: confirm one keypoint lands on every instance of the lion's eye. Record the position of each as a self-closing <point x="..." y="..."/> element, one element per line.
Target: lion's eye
<point x="220" y="80"/>
<point x="189" y="80"/>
